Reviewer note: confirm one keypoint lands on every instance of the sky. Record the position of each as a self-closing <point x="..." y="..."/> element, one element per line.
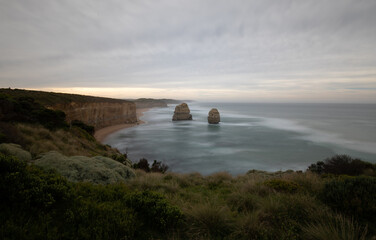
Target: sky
<point x="210" y="50"/>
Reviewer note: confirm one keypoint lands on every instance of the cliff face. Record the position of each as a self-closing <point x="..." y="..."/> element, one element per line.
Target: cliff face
<point x="100" y="114"/>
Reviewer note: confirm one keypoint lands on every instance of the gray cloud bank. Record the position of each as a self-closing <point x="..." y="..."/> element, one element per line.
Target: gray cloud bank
<point x="274" y="46"/>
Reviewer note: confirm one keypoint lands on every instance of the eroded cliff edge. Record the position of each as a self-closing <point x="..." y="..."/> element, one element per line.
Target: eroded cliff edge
<point x="100" y="114"/>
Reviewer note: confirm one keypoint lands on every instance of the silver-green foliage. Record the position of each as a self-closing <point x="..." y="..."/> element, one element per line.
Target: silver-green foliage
<point x="100" y="170"/>
<point x="15" y="150"/>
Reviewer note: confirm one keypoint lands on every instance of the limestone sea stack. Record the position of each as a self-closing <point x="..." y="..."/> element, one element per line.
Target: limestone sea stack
<point x="214" y="117"/>
<point x="182" y="112"/>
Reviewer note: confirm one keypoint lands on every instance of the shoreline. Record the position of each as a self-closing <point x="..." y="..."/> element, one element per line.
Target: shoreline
<point x="101" y="134"/>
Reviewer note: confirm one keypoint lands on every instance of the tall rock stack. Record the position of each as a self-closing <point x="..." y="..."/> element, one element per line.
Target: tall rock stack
<point x="182" y="112"/>
<point x="214" y="117"/>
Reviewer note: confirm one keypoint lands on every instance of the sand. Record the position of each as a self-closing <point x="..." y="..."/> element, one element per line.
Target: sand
<point x="103" y="133"/>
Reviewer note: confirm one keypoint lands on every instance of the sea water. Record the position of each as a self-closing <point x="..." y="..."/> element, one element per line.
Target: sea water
<point x="262" y="136"/>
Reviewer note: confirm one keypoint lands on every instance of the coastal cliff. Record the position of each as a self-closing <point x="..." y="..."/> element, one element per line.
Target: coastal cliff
<point x="100" y="114"/>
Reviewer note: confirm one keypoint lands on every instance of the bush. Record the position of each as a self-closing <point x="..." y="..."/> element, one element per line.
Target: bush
<point x="29" y="187"/>
<point x="142" y="164"/>
<point x="282" y="185"/>
<point x="342" y="164"/>
<point x="89" y="129"/>
<point x="157" y="166"/>
<point x="97" y="169"/>
<point x="15" y="150"/>
<point x="154" y="211"/>
<point x="352" y="196"/>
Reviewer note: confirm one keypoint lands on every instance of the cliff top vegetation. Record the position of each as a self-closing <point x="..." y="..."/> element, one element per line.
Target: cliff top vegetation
<point x="52" y="98"/>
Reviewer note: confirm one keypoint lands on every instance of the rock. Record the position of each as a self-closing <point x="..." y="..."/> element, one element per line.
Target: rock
<point x="182" y="112"/>
<point x="15" y="150"/>
<point x="214" y="117"/>
<point x="100" y="170"/>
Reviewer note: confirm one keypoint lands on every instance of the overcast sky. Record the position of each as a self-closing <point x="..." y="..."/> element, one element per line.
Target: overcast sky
<point x="277" y="50"/>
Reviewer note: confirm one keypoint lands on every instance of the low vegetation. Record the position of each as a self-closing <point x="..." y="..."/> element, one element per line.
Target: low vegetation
<point x="343" y="164"/>
<point x="52" y="98"/>
<point x="144" y="165"/>
<point x="257" y="205"/>
<point x="98" y="169"/>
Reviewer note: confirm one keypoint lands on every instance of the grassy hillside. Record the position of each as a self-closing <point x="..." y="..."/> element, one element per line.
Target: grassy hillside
<point x="37" y="129"/>
<point x="257" y="205"/>
<point x="51" y="98"/>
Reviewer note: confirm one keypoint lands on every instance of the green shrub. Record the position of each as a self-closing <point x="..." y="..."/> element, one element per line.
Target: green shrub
<point x="89" y="219"/>
<point x="281" y="185"/>
<point x="353" y="196"/>
<point x="142" y="164"/>
<point x="97" y="169"/>
<point x="157" y="166"/>
<point x="122" y="158"/>
<point x="342" y="164"/>
<point x="89" y="129"/>
<point x="51" y="119"/>
<point x="15" y="150"/>
<point x="154" y="211"/>
<point x="29" y="187"/>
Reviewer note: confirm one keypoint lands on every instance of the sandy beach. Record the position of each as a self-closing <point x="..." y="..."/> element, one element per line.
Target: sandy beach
<point x="103" y="133"/>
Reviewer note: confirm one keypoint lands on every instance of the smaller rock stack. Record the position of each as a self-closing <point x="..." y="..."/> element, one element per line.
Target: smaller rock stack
<point x="214" y="117"/>
<point x="182" y="112"/>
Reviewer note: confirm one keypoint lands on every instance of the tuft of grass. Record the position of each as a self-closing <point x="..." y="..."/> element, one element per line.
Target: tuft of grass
<point x="218" y="180"/>
<point x="209" y="221"/>
<point x="308" y="182"/>
<point x="249" y="227"/>
<point x="335" y="227"/>
<point x="243" y="203"/>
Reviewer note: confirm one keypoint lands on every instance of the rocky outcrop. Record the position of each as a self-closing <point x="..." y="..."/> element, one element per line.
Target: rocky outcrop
<point x="182" y="112"/>
<point x="214" y="117"/>
<point x="100" y="114"/>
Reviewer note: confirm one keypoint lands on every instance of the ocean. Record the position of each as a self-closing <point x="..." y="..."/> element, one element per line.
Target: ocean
<point x="262" y="136"/>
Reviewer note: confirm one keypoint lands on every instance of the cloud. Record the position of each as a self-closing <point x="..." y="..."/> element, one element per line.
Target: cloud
<point x="236" y="46"/>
